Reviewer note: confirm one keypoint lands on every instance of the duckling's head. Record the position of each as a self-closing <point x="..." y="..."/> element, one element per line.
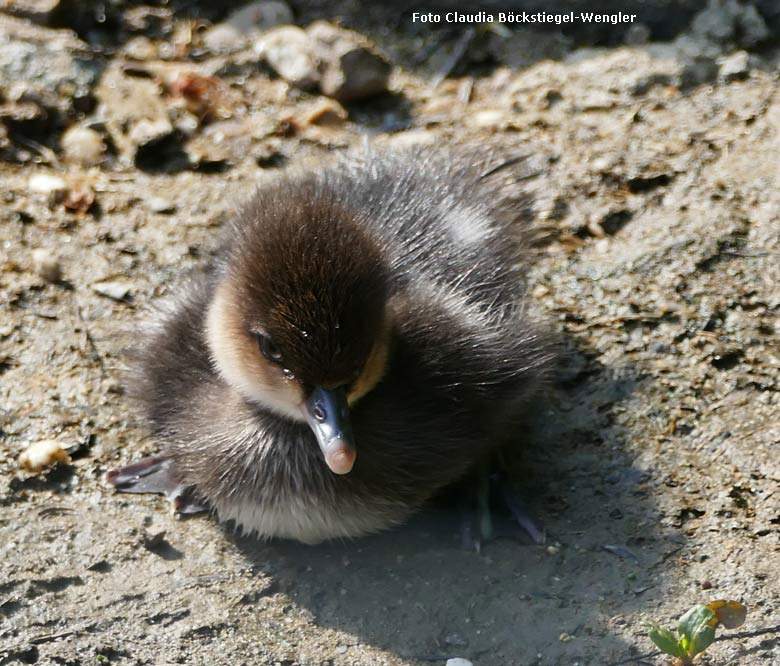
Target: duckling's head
<point x="298" y="323"/>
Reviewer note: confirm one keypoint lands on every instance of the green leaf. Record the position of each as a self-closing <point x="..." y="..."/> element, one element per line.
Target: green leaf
<point x="697" y="629"/>
<point x="666" y="641"/>
<point x="702" y="639"/>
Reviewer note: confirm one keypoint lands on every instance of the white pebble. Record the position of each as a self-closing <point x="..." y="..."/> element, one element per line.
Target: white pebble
<point x="43" y="454"/>
<point x="43" y="183"/>
<point x="457" y="661"/>
<point x="83" y="145"/>
<point x="46" y="265"/>
<point x="119" y="291"/>
<point x="488" y="118"/>
<point x="287" y="50"/>
<point x="161" y="205"/>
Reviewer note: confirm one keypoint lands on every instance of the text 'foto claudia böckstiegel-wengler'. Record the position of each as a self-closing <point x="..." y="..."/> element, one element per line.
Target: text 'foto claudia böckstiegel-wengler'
<point x="522" y="17"/>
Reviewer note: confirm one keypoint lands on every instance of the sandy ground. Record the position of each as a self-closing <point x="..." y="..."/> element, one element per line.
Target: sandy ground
<point x="653" y="462"/>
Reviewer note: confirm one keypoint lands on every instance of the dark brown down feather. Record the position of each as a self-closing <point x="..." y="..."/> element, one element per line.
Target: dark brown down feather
<point x="434" y="240"/>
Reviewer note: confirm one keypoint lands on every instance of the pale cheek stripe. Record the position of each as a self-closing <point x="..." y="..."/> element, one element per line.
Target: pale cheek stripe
<point x="239" y="363"/>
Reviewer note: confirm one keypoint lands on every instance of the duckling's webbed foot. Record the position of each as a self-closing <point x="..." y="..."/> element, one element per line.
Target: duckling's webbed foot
<point x="155" y="474"/>
<point x="480" y="525"/>
<point x="520" y="512"/>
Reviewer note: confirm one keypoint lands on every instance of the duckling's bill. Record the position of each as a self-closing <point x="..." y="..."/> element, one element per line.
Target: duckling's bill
<point x="327" y="413"/>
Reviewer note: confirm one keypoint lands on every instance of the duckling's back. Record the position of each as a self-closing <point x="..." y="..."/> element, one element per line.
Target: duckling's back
<point x="456" y="218"/>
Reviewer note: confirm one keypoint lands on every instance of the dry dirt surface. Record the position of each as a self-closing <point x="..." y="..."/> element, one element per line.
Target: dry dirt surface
<point x="653" y="462"/>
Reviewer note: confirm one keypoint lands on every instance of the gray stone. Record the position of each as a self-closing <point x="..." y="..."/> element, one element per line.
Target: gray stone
<point x="44" y="64"/>
<point x="350" y="69"/>
<point x="235" y="31"/>
<point x="342" y="62"/>
<point x="287" y="51"/>
<point x="46" y="265"/>
<point x="735" y="67"/>
<point x="117" y="291"/>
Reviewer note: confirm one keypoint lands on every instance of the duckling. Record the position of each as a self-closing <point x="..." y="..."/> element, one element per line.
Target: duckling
<point x="359" y="343"/>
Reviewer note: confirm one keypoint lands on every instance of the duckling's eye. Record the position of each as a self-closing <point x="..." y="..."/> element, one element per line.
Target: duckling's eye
<point x="268" y="348"/>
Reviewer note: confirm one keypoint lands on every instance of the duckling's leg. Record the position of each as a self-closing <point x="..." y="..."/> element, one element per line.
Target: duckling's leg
<point x="154" y="474"/>
<point x="520" y="511"/>
<point x="477" y="523"/>
<point x="476" y="517"/>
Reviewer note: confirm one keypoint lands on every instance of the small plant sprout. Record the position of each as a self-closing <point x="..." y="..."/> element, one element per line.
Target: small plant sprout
<point x="696" y="629"/>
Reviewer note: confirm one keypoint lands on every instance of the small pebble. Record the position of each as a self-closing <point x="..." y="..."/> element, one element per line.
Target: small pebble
<point x="565" y="638"/>
<point x="43" y="454"/>
<point x="487" y="119"/>
<point x="82" y="145"/>
<point x="46" y="265"/>
<point x="735" y="67"/>
<point x="187" y="123"/>
<point x="43" y="183"/>
<point x="145" y="132"/>
<point x="326" y="112"/>
<point x="458" y="661"/>
<point x="255" y="17"/>
<point x="161" y="205"/>
<point x="287" y="51"/>
<point x="553" y="549"/>
<point x="350" y="67"/>
<point x="119" y="291"/>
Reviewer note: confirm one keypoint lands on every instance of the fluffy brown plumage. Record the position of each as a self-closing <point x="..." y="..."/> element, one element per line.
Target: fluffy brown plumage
<point x="385" y="291"/>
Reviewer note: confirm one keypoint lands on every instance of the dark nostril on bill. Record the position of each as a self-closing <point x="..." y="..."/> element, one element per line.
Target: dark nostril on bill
<point x="319" y="412"/>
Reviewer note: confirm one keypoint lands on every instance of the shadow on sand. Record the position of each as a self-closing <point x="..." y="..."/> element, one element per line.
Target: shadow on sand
<point x="417" y="593"/>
